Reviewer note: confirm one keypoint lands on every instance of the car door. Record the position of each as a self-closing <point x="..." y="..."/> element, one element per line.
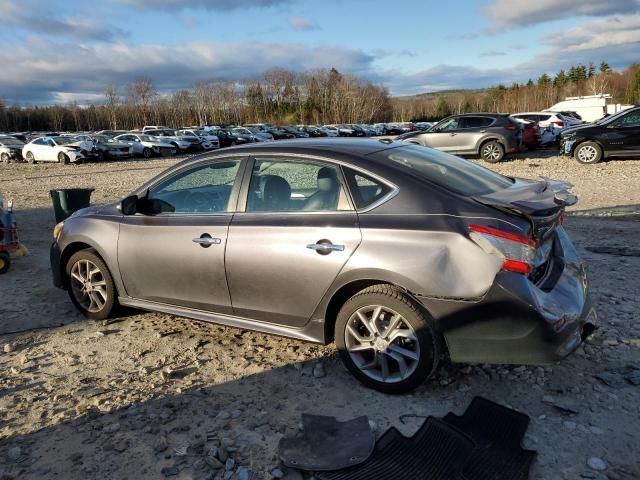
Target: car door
<point x="472" y="131"/>
<point x="444" y="135"/>
<point x="36" y="148"/>
<point x="173" y="252"/>
<point x="289" y="239"/>
<point x="629" y="129"/>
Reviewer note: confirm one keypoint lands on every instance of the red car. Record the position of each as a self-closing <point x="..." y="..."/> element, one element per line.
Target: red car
<point x="531" y="137"/>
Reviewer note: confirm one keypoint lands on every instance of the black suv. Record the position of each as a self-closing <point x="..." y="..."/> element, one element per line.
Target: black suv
<point x="615" y="135"/>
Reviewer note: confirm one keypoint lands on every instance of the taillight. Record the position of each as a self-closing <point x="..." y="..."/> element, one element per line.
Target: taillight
<point x="511" y="127"/>
<point x="558" y="123"/>
<point x="517" y="251"/>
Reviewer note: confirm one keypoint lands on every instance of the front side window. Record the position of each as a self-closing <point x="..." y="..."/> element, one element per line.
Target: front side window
<point x="203" y="189"/>
<point x="290" y="186"/>
<point x="446" y="125"/>
<point x="631" y="120"/>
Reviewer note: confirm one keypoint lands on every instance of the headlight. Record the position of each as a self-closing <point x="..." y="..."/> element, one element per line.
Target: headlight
<point x="57" y="230"/>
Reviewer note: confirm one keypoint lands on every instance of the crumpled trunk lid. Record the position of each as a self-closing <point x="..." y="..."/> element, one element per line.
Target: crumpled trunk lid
<point x="542" y="203"/>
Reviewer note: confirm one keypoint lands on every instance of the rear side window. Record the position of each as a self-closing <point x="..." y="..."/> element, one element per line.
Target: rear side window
<point x="364" y="189"/>
<point x="543" y="118"/>
<point x="447" y="171"/>
<point x="476" y="122"/>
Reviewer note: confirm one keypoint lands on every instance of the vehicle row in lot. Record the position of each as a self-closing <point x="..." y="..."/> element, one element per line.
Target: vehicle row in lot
<point x="395" y="251"/>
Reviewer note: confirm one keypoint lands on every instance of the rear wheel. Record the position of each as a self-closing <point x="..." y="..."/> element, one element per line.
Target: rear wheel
<point x="5" y="157"/>
<point x="91" y="287"/>
<point x="5" y="262"/>
<point x="588" y="152"/>
<point x="492" y="152"/>
<point x="30" y="158"/>
<point x="146" y="152"/>
<point x="386" y="340"/>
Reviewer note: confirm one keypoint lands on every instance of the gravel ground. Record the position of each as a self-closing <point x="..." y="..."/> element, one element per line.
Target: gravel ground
<point x="155" y="396"/>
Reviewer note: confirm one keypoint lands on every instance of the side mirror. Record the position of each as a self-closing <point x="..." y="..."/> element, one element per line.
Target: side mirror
<point x="129" y="205"/>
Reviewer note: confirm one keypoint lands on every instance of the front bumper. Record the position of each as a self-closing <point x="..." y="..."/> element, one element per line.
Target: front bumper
<point x="567" y="145"/>
<point x="520" y="322"/>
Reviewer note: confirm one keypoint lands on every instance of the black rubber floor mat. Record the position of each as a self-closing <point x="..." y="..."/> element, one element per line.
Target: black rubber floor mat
<point x="434" y="453"/>
<point x="326" y="444"/>
<point x="497" y="432"/>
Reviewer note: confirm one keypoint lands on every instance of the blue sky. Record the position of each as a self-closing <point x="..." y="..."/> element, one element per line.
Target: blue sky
<point x="63" y="50"/>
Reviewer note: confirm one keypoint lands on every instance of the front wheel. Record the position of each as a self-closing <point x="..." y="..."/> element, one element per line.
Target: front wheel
<point x="146" y="152"/>
<point x="91" y="287"/>
<point x="386" y="340"/>
<point x="492" y="152"/>
<point x="63" y="158"/>
<point x="588" y="152"/>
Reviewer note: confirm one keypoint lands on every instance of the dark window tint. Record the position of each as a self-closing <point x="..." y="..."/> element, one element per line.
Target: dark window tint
<point x="476" y="122"/>
<point x="450" y="172"/>
<point x="203" y="189"/>
<point x="543" y="118"/>
<point x="364" y="189"/>
<point x="631" y="120"/>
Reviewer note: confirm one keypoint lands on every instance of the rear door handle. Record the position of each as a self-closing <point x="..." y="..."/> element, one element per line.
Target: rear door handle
<point x="205" y="240"/>
<point x="325" y="247"/>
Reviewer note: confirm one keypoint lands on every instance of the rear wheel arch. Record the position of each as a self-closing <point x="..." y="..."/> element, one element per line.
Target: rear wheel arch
<point x="344" y="293"/>
<point x="484" y="141"/>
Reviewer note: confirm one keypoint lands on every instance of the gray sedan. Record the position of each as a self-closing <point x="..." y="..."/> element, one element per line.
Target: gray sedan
<point x="398" y="253"/>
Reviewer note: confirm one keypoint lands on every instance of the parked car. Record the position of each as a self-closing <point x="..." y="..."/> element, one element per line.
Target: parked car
<point x="182" y="143"/>
<point x="248" y="135"/>
<point x="344" y="130"/>
<point x="312" y="131"/>
<point x="552" y="122"/>
<point x="148" y="128"/>
<point x="531" y="137"/>
<point x="227" y="138"/>
<point x="10" y="148"/>
<point x="208" y="141"/>
<point x="488" y="135"/>
<point x="294" y="131"/>
<point x="279" y="133"/>
<point x="52" y="149"/>
<point x="332" y="131"/>
<point x="615" y="135"/>
<point x="106" y="147"/>
<point x="146" y="145"/>
<point x="380" y="128"/>
<point x="260" y="133"/>
<point x="395" y="251"/>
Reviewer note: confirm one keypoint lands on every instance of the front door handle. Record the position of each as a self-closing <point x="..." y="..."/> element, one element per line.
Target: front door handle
<point x="325" y="247"/>
<point x="205" y="240"/>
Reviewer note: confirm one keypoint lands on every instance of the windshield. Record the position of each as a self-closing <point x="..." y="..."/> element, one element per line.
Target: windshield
<point x="240" y="131"/>
<point x="452" y="173"/>
<point x="102" y="139"/>
<point x="612" y="118"/>
<point x="10" y="141"/>
<point x="146" y="138"/>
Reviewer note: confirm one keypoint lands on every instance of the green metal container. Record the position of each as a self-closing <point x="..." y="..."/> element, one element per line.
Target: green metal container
<point x="69" y="200"/>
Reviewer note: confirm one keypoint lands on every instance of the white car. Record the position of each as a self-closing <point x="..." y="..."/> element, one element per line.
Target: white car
<point x="255" y="132"/>
<point x="173" y="137"/>
<point x="146" y="128"/>
<point x="52" y="149"/>
<point x="208" y="140"/>
<point x="10" y="148"/>
<point x="551" y="123"/>
<point x="146" y="145"/>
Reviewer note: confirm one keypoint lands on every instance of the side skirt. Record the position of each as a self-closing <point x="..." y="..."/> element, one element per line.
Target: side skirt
<point x="312" y="332"/>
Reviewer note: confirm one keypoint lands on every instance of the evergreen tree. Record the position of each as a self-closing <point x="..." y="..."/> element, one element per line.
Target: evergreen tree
<point x="604" y="67"/>
<point x="530" y="83"/>
<point x="561" y="79"/>
<point x="544" y="80"/>
<point x="591" y="71"/>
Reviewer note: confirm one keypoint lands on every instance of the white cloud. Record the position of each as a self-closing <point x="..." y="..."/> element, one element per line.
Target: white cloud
<point x="609" y="32"/>
<point x="302" y="24"/>
<point x="506" y="14"/>
<point x="31" y="17"/>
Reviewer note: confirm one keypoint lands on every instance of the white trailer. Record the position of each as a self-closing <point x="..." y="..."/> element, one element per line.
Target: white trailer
<point x="589" y="107"/>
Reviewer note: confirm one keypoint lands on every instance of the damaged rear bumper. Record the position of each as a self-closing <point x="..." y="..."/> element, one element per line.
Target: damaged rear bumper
<point x="521" y="322"/>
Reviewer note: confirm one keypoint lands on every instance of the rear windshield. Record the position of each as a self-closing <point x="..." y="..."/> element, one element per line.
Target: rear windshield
<point x="452" y="173"/>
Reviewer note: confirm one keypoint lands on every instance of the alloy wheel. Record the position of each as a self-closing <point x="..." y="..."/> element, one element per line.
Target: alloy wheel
<point x="587" y="153"/>
<point x="89" y="286"/>
<point x="491" y="152"/>
<point x="382" y="344"/>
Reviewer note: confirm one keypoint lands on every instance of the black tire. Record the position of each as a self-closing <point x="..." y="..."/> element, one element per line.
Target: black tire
<point x="63" y="158"/>
<point x="425" y="338"/>
<point x="5" y="262"/>
<point x="146" y="152"/>
<point x="101" y="156"/>
<point x="5" y="157"/>
<point x="110" y="303"/>
<point x="492" y="151"/>
<point x="588" y="153"/>
<point x="30" y="158"/>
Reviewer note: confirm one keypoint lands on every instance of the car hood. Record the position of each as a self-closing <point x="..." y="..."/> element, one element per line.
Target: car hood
<point x="110" y="209"/>
<point x="577" y="128"/>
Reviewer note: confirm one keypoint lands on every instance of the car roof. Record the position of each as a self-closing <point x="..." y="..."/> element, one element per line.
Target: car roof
<point x="357" y="146"/>
<point x="475" y="114"/>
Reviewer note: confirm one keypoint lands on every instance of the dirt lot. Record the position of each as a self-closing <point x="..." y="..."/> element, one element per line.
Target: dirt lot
<point x="154" y="396"/>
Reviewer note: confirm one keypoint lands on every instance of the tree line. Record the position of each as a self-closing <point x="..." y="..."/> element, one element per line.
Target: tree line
<point x="313" y="97"/>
